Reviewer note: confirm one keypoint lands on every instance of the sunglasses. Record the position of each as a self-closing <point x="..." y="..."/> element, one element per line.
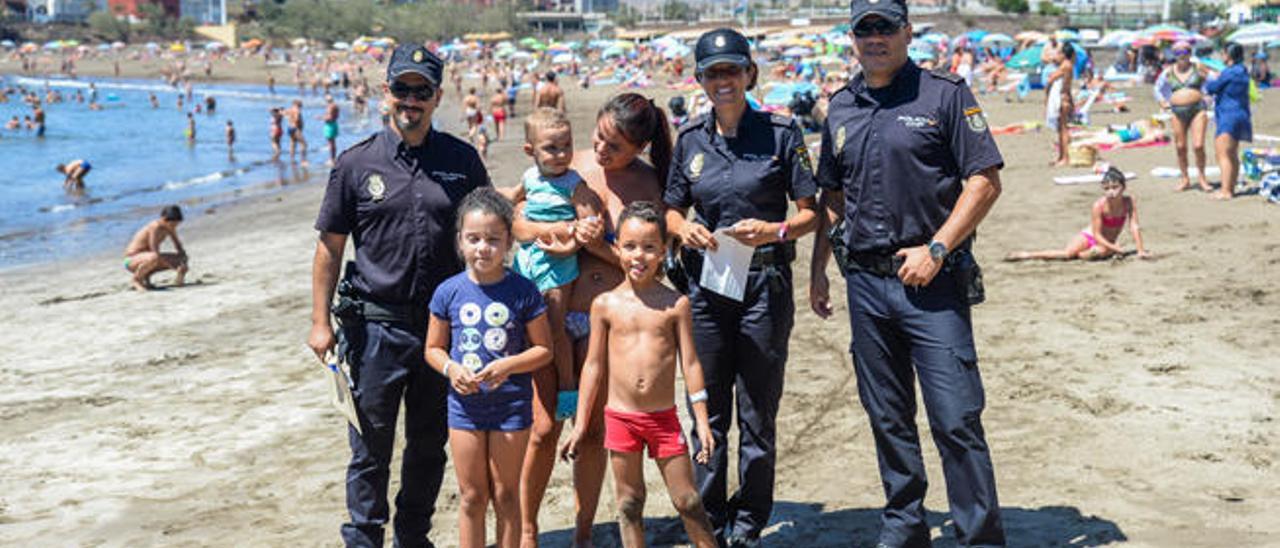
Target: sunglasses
<point x="404" y="91"/>
<point x="1181" y="52"/>
<point x="877" y="27"/>
<point x="722" y="71"/>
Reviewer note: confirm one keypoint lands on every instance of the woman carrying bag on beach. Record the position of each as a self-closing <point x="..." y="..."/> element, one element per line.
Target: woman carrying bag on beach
<point x="740" y="169"/>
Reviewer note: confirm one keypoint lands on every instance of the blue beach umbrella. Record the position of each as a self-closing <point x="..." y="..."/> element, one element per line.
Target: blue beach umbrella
<point x="1026" y="59"/>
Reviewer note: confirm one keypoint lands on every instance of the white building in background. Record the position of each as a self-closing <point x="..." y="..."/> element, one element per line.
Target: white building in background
<point x="69" y="11"/>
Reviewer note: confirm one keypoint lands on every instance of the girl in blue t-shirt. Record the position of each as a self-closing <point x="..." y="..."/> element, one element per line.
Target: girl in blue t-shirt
<point x="488" y="331"/>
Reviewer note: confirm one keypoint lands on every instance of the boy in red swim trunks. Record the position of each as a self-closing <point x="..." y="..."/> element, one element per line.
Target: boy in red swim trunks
<point x="637" y="331"/>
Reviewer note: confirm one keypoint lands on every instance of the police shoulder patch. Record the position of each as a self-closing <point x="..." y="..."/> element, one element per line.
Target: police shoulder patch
<point x="948" y="76"/>
<point x="802" y="154"/>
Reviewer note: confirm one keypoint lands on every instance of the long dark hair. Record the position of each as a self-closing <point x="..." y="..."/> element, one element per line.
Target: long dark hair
<point x="640" y="121"/>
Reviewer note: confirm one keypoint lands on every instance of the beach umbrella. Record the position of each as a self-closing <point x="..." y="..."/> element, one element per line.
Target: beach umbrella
<point x="976" y="35"/>
<point x="343" y="46"/>
<point x="1030" y="36"/>
<point x="117" y="45"/>
<point x="53" y="45"/>
<point x="1118" y="38"/>
<point x="1255" y="34"/>
<point x="1213" y="64"/>
<point x="521" y="55"/>
<point x="1026" y="59"/>
<point x="1066" y="35"/>
<point x="797" y="51"/>
<point x="996" y="39"/>
<point x="104" y="47"/>
<point x="562" y="59"/>
<point x="29" y="47"/>
<point x="177" y="47"/>
<point x="8" y="44"/>
<point x="918" y="55"/>
<point x="676" y="51"/>
<point x="152" y="45"/>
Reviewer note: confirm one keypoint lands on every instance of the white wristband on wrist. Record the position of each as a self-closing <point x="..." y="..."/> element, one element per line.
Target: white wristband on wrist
<point x="445" y="371"/>
<point x="698" y="396"/>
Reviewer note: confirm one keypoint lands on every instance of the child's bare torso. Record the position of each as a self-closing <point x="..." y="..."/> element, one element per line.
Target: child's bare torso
<point x="641" y="350"/>
<point x="142" y="239"/>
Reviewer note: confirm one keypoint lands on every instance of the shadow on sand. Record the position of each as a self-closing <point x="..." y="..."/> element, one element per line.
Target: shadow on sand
<point x="809" y="525"/>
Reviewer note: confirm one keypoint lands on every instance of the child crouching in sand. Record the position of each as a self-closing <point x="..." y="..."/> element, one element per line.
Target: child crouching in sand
<point x="637" y="331"/>
<point x="1098" y="240"/>
<point x="488" y="330"/>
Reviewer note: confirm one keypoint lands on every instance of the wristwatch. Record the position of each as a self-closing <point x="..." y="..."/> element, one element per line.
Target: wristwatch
<point x="937" y="250"/>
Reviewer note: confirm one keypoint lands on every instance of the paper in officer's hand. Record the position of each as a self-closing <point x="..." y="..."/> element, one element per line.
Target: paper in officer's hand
<point x="340" y="386"/>
<point x="724" y="270"/>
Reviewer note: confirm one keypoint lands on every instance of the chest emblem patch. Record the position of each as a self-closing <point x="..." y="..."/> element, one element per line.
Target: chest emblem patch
<point x="695" y="166"/>
<point x="377" y="188"/>
<point x="840" y="139"/>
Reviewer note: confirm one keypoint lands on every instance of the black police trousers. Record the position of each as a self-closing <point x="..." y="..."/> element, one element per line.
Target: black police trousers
<point x="743" y="349"/>
<point x="900" y="333"/>
<point x="387" y="365"/>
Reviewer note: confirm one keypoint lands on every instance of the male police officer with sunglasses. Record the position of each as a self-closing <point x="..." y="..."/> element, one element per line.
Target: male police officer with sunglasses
<point x="395" y="194"/>
<point x="908" y="162"/>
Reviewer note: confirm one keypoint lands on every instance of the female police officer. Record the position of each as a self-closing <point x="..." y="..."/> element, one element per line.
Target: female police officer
<point x="738" y="168"/>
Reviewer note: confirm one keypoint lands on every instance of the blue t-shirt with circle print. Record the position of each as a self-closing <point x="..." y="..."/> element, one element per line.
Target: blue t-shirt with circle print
<point x="487" y="322"/>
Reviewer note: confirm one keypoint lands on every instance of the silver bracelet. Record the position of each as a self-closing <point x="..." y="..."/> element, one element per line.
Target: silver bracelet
<point x="445" y="371"/>
<point x="698" y="396"/>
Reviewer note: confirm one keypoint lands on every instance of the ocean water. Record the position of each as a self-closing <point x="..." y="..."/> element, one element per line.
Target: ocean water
<point x="142" y="161"/>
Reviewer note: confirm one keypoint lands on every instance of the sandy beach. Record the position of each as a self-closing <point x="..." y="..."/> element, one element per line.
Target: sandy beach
<point x="1128" y="402"/>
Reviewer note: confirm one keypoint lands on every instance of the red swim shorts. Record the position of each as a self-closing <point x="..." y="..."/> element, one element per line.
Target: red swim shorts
<point x="631" y="432"/>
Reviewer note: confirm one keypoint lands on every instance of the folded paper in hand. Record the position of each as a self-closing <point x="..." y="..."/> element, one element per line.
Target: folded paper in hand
<point x="340" y="386"/>
<point x="725" y="269"/>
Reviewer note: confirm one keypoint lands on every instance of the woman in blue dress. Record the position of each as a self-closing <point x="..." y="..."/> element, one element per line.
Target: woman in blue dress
<point x="1230" y="91"/>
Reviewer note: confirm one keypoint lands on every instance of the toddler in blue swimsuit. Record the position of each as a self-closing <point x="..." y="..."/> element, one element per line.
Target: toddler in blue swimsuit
<point x="553" y="193"/>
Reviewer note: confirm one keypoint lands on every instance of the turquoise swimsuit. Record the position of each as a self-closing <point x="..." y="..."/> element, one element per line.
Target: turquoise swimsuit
<point x="547" y="200"/>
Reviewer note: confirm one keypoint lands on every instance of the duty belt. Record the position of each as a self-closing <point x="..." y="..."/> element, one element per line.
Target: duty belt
<point x="886" y="265"/>
<point x="773" y="254"/>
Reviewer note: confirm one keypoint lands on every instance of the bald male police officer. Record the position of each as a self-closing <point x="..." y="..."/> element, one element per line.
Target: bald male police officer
<point x="908" y="162"/>
<point x="395" y="194"/>
<point x="740" y="169"/>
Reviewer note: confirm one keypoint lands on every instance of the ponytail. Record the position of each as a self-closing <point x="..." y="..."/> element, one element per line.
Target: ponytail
<point x="642" y="123"/>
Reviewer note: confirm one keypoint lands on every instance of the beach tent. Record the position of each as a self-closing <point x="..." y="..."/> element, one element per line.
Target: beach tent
<point x="1255" y="34"/>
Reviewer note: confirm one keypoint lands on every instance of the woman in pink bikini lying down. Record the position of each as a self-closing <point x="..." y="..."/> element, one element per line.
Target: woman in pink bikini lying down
<point x="1098" y="240"/>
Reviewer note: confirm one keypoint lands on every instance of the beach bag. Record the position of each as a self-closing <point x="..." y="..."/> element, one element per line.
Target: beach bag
<point x="1269" y="189"/>
<point x="1082" y="155"/>
<point x="1255" y="94"/>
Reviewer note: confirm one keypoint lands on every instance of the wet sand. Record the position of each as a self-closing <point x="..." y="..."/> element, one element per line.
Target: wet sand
<point x="1128" y="402"/>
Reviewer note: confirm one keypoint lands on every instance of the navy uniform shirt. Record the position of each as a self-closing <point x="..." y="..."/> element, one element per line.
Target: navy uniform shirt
<point x="901" y="154"/>
<point x="752" y="176"/>
<point x="399" y="204"/>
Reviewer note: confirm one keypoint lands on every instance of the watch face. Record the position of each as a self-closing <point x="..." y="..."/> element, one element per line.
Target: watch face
<point x="937" y="250"/>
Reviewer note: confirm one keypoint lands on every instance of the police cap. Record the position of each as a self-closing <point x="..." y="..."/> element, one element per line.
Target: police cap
<point x="722" y="46"/>
<point x="413" y="58"/>
<point x="893" y="10"/>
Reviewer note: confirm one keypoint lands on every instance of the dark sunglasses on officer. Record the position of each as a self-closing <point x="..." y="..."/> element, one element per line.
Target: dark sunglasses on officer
<point x="877" y="26"/>
<point x="402" y="91"/>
